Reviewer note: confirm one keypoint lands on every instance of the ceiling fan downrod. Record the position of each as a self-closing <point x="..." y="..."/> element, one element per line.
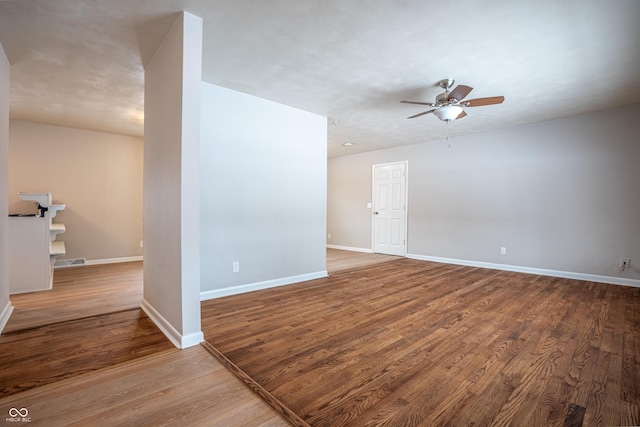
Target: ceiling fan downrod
<point x="446" y="84"/>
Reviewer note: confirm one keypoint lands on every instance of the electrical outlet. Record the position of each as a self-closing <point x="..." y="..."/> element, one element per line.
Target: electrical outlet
<point x="329" y="236"/>
<point x="142" y="243"/>
<point x="236" y="266"/>
<point x="503" y="250"/>
<point x="625" y="263"/>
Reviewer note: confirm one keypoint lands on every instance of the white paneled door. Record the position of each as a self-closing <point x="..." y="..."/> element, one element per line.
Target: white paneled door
<point x="389" y="209"/>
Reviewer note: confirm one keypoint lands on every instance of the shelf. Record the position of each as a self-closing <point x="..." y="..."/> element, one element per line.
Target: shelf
<point x="43" y="199"/>
<point x="57" y="248"/>
<point x="55" y="229"/>
<point x="33" y="246"/>
<point x="54" y="208"/>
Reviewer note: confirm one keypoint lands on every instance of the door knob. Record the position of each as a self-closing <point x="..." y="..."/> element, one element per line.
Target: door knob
<point x="375" y="213"/>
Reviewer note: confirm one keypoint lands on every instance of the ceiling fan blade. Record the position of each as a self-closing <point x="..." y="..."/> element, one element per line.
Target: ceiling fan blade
<point x="459" y="92"/>
<point x="421" y="114"/>
<point x="430" y="104"/>
<point x="479" y="102"/>
<point x="461" y="115"/>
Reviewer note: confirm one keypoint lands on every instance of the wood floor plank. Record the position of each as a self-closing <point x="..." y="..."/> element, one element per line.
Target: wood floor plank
<point x="82" y="352"/>
<point x="187" y="387"/>
<point x="113" y="288"/>
<point x="483" y="409"/>
<point x="341" y="260"/>
<point x="35" y="357"/>
<point x="594" y="411"/>
<point x="549" y="408"/>
<point x="409" y="342"/>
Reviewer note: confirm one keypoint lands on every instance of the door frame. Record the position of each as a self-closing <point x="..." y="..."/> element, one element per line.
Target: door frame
<point x="406" y="201"/>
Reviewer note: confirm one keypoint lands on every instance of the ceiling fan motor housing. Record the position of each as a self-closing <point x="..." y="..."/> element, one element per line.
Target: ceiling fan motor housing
<point x="442" y="98"/>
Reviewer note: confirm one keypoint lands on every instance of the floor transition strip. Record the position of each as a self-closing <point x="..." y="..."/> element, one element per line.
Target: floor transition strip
<point x="268" y="398"/>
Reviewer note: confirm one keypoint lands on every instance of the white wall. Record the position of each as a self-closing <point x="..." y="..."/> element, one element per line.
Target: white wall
<point x="5" y="304"/>
<point x="263" y="193"/>
<point x="171" y="183"/>
<point x="560" y="195"/>
<point x="97" y="175"/>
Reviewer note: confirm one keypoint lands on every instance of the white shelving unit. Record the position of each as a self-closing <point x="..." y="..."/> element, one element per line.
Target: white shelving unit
<point x="33" y="247"/>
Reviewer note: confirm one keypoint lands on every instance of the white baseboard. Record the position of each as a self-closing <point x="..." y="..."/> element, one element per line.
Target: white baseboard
<point x="531" y="270"/>
<point x="179" y="340"/>
<point x="192" y="339"/>
<point x="101" y="261"/>
<point x="241" y="289"/>
<point x="112" y="260"/>
<point x="349" y="248"/>
<point x="5" y="315"/>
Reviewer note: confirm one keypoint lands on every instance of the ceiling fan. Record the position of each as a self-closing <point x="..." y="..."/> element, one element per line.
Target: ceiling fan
<point x="450" y="105"/>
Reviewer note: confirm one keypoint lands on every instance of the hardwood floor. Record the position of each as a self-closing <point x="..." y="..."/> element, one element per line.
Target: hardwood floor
<point x="85" y="354"/>
<point x="44" y="355"/>
<point x="410" y="342"/>
<point x="92" y="290"/>
<point x="178" y="387"/>
<point x="382" y="341"/>
<point x="79" y="292"/>
<point x="340" y="260"/>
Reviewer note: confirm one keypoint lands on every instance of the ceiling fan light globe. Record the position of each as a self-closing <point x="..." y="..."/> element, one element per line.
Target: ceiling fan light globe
<point x="448" y="112"/>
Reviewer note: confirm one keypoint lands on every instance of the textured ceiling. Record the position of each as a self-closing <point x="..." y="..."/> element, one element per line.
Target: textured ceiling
<point x="81" y="63"/>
